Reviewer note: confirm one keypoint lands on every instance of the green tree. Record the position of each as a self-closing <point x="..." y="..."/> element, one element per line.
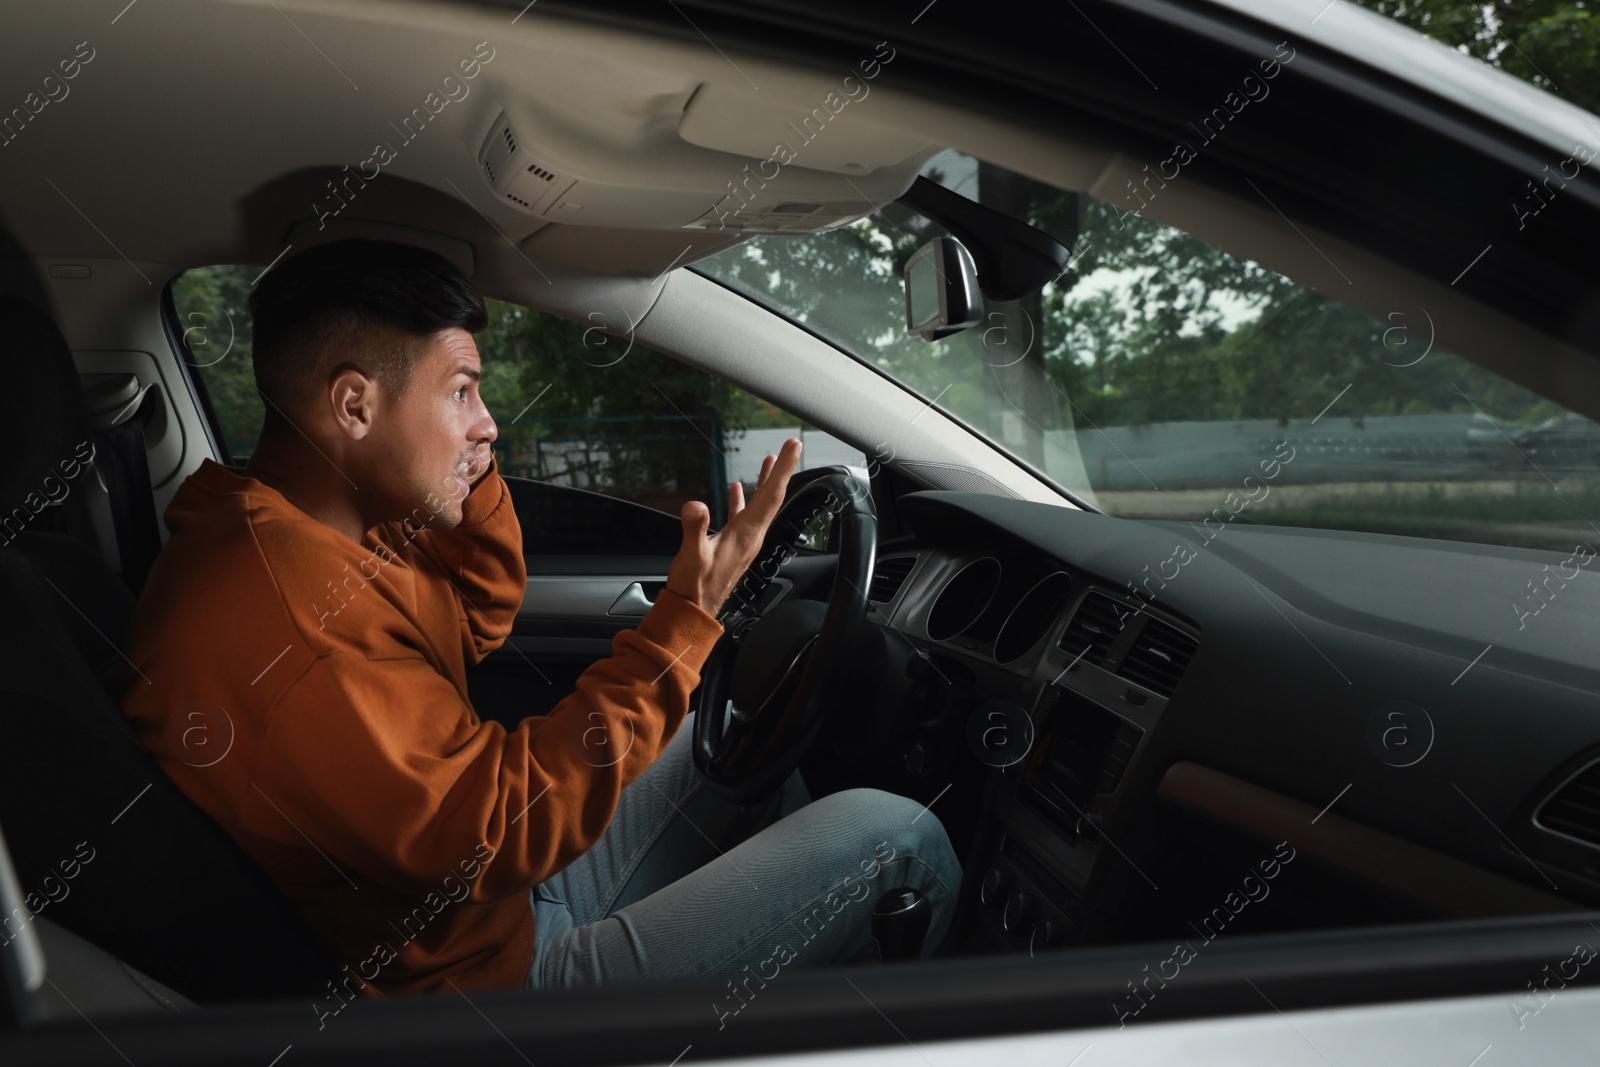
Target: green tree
<point x="1555" y="44"/>
<point x="212" y="312"/>
<point x="625" y="419"/>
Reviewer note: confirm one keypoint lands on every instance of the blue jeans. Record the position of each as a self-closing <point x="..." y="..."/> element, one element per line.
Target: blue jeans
<point x="686" y="884"/>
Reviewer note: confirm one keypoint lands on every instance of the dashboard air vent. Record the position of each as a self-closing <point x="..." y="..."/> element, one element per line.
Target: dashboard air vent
<point x="1158" y="658"/>
<point x="1575" y="809"/>
<point x="890" y="574"/>
<point x="1093" y="629"/>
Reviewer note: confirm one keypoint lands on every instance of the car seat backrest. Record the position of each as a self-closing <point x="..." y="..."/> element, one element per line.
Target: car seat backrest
<point x="94" y="605"/>
<point x="44" y="422"/>
<point x="104" y="843"/>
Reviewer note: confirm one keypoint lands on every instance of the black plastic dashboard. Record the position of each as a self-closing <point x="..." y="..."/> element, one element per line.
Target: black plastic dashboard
<point x="1380" y="702"/>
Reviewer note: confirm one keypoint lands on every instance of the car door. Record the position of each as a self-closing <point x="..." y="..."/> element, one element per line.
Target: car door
<point x="595" y="565"/>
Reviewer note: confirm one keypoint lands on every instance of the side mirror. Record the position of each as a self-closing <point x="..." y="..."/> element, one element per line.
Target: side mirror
<point x="941" y="290"/>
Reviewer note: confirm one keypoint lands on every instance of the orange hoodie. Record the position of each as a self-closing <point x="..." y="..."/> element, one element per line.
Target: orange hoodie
<point x="310" y="694"/>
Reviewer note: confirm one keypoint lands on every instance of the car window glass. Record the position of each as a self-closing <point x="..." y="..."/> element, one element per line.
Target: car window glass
<point x="1160" y="377"/>
<point x="575" y="407"/>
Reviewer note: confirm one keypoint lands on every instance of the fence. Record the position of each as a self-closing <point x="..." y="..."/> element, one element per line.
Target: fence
<point x="1436" y="447"/>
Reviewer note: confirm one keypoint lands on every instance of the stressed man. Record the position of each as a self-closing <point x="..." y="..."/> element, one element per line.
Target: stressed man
<point x="301" y="651"/>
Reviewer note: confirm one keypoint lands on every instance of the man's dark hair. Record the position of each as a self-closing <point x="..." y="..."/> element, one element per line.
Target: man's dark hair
<point x="353" y="303"/>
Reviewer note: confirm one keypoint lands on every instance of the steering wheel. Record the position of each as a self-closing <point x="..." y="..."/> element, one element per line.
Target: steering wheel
<point x="770" y="679"/>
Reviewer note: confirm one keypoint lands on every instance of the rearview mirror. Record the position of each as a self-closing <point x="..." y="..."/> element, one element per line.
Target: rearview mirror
<point x="941" y="290"/>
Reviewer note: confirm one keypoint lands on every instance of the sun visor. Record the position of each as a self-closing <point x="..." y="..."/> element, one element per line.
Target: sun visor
<point x="833" y="133"/>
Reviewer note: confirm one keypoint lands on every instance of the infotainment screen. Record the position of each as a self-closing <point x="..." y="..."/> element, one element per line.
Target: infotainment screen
<point x="1082" y="751"/>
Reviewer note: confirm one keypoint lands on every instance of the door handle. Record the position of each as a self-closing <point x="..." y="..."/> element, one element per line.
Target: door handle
<point x="632" y="602"/>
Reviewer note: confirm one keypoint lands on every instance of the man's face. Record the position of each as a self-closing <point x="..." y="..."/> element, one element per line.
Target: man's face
<point x="433" y="440"/>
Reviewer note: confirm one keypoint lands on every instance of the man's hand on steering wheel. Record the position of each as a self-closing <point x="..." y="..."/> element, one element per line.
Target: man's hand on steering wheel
<point x="706" y="569"/>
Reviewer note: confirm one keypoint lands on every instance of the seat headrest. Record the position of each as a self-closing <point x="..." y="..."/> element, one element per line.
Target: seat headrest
<point x="44" y="419"/>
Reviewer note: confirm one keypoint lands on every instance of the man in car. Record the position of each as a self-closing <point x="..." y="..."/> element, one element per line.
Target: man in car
<point x="300" y="658"/>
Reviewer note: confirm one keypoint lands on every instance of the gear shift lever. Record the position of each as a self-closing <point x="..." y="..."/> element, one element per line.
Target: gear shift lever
<point x="900" y="923"/>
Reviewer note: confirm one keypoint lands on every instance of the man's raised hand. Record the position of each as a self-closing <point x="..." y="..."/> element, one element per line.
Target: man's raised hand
<point x="706" y="569"/>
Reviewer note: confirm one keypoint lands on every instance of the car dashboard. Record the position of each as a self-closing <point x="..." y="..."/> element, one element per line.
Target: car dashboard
<point x="1156" y="714"/>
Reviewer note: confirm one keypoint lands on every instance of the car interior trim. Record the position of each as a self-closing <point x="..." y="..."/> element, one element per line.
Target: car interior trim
<point x="1419" y="873"/>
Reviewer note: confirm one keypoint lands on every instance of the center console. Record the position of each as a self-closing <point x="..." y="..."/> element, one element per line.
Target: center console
<point x="1065" y="679"/>
<point x="1048" y="858"/>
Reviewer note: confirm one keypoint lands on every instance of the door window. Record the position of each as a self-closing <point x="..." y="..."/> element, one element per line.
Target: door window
<point x="610" y="435"/>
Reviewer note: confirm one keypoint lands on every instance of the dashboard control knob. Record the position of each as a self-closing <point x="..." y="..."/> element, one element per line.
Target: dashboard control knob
<point x="1046" y="935"/>
<point x="993" y="890"/>
<point x="1089" y="825"/>
<point x="1018" y="914"/>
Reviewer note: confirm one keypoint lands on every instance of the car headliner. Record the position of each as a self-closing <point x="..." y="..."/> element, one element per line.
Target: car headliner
<point x="206" y="132"/>
<point x="215" y="156"/>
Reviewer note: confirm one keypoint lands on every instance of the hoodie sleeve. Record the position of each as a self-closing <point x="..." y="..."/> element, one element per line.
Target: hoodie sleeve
<point x="481" y="559"/>
<point x="382" y="766"/>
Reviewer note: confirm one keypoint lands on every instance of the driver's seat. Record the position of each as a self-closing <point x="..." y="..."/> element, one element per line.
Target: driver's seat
<point x="104" y="843"/>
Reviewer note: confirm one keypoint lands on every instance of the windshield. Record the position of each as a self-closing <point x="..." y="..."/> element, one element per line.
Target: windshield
<point x="1160" y="377"/>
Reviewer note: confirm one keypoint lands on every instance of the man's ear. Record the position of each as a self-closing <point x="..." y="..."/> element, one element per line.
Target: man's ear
<point x="354" y="398"/>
